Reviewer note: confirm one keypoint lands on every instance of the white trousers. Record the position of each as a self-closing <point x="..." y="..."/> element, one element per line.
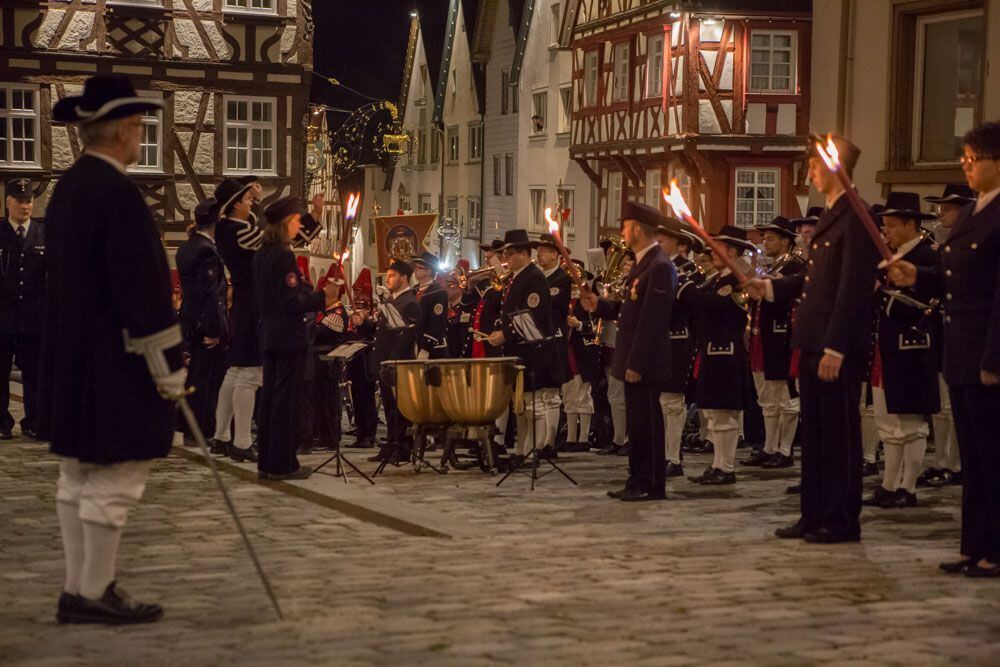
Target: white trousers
<point x="551" y="401"/>
<point x="869" y="434"/>
<point x="945" y="442"/>
<point x="576" y="397"/>
<point x="616" y="397"/>
<point x="905" y="440"/>
<point x="780" y="411"/>
<point x="530" y="423"/>
<point x="674" y="414"/>
<point x="104" y="493"/>
<point x="723" y="428"/>
<point x="236" y="400"/>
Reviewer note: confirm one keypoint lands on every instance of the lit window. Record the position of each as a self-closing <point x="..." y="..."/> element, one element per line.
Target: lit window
<point x="539" y="111"/>
<point x="152" y="139"/>
<point x="537" y="206"/>
<point x="772" y="62"/>
<point x="475" y="143"/>
<point x="472" y="230"/>
<point x="19" y="123"/>
<point x="250" y="134"/>
<point x="757" y="195"/>
<point x="620" y="88"/>
<point x="654" y="66"/>
<point x="453" y="145"/>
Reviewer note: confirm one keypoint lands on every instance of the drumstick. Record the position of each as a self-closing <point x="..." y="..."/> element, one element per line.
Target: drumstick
<point x="479" y="335"/>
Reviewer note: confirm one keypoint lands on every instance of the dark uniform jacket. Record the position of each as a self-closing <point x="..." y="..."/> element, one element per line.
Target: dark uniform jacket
<point x="283" y="299"/>
<point x="773" y="323"/>
<point x="560" y="289"/>
<point x="459" y="325"/>
<point x="642" y="342"/>
<point x="107" y="273"/>
<point x="968" y="279"/>
<point x="583" y="344"/>
<point x="203" y="289"/>
<point x="837" y="288"/>
<point x="724" y="367"/>
<point x="237" y="241"/>
<point x="398" y="343"/>
<point x="906" y="346"/>
<point x="486" y="315"/>
<point x="22" y="279"/>
<point x="431" y="334"/>
<point x="529" y="290"/>
<point x="683" y="341"/>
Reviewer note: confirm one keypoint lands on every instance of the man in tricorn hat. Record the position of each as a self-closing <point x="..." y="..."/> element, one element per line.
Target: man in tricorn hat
<point x="104" y="407"/>
<point x="22" y="302"/>
<point x="642" y="351"/>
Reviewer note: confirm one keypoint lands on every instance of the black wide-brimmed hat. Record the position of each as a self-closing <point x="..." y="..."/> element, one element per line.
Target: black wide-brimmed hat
<point x="811" y="217"/>
<point x="517" y="239"/>
<point x="647" y="216"/>
<point x="691" y="237"/>
<point x="206" y="212"/>
<point x="954" y="193"/>
<point x="492" y="246"/>
<point x="20" y="188"/>
<point x="847" y="151"/>
<point x="426" y="260"/>
<point x="904" y="205"/>
<point x="548" y="241"/>
<point x="734" y="236"/>
<point x="780" y="225"/>
<point x="280" y="209"/>
<point x="671" y="227"/>
<point x="104" y="98"/>
<point x="401" y="267"/>
<point x="229" y="191"/>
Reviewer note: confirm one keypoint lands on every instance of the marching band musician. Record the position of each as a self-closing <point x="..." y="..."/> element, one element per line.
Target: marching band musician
<point x="284" y="297"/>
<point x="642" y="353"/>
<point x="906" y="353"/>
<point x="770" y="353"/>
<point x="614" y="388"/>
<point x="431" y="335"/>
<point x="833" y="331"/>
<point x="487" y="311"/>
<point x="671" y="235"/>
<point x="723" y="371"/>
<point x="22" y="303"/>
<point x="361" y="328"/>
<point x="560" y="287"/>
<point x="203" y="315"/>
<point x="461" y="305"/>
<point x="527" y="289"/>
<point x="327" y="332"/>
<point x="395" y="340"/>
<point x="583" y="367"/>
<point x="968" y="278"/>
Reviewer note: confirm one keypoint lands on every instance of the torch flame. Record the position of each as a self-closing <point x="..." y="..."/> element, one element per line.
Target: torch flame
<point x="347" y="255"/>
<point x="553" y="224"/>
<point x="353" y="200"/>
<point x="676" y="200"/>
<point x="829" y="153"/>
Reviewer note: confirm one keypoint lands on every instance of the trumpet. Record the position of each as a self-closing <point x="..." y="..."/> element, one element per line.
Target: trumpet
<point x="464" y="278"/>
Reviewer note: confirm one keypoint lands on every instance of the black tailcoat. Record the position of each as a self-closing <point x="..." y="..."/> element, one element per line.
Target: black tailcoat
<point x="487" y="315"/>
<point x="683" y="341"/>
<point x="394" y="344"/>
<point x="909" y="363"/>
<point x="583" y="343"/>
<point x="432" y="328"/>
<point x="237" y="241"/>
<point x="203" y="289"/>
<point x="107" y="273"/>
<point x="283" y="299"/>
<point x="722" y="375"/>
<point x="774" y="324"/>
<point x="22" y="279"/>
<point x="560" y="289"/>
<point x="529" y="290"/>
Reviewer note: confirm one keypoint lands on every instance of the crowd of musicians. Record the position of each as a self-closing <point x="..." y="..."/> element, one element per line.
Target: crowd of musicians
<point x="823" y="353"/>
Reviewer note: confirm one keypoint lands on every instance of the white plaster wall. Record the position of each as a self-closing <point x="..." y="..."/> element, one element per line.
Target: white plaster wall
<point x="500" y="131"/>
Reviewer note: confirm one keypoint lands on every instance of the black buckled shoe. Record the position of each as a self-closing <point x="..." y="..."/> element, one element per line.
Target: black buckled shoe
<point x="778" y="460"/>
<point x="758" y="458"/>
<point x="115" y="607"/>
<point x="719" y="478"/>
<point x="218" y="447"/>
<point x="700" y="479"/>
<point x="301" y="472"/>
<point x="248" y="455"/>
<point x="882" y="497"/>
<point x="673" y="470"/>
<point x="792" y="532"/>
<point x="65" y="606"/>
<point x="869" y="469"/>
<point x="5" y="434"/>
<point x="931" y="477"/>
<point x="902" y="499"/>
<point x="31" y="434"/>
<point x="958" y="567"/>
<point x="827" y="536"/>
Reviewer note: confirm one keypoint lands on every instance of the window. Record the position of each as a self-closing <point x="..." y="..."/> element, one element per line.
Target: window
<point x="565" y="109"/>
<point x="654" y="66"/>
<point x="435" y="141"/>
<point x="614" y="198"/>
<point x="757" y="195"/>
<point x="423" y="84"/>
<point x="565" y="197"/>
<point x="149" y="159"/>
<point x="508" y="168"/>
<point x="472" y="229"/>
<point x="654" y="180"/>
<point x="537" y="196"/>
<point x="505" y="92"/>
<point x="422" y="147"/>
<point x="424" y="203"/>
<point x="539" y="111"/>
<point x="949" y="57"/>
<point x="591" y="78"/>
<point x="250" y="133"/>
<point x="451" y="208"/>
<point x="255" y="6"/>
<point x="772" y="62"/>
<point x="453" y="145"/>
<point x="19" y="126"/>
<point x="475" y="143"/>
<point x="496" y="175"/>
<point x="620" y="87"/>
<point x="144" y="3"/>
<point x="554" y="36"/>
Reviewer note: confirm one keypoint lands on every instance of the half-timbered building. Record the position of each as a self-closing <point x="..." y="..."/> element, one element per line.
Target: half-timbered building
<point x="714" y="93"/>
<point x="234" y="75"/>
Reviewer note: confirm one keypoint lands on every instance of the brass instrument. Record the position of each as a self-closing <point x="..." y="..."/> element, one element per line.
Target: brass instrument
<point x="789" y="258"/>
<point x="464" y="278"/>
<point x="613" y="276"/>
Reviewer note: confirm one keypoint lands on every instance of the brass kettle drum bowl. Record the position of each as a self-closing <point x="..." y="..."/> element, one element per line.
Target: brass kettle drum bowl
<point x="475" y="392"/>
<point x="415" y="383"/>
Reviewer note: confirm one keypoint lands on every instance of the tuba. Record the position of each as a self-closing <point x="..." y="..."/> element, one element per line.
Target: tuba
<point x="464" y="279"/>
<point x="613" y="276"/>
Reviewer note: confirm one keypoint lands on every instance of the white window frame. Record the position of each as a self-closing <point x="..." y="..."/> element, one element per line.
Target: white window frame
<point x="556" y="15"/>
<point x="536" y="202"/>
<point x="620" y="75"/>
<point x="7" y="116"/>
<point x="435" y="145"/>
<point x="504" y="92"/>
<point x="233" y="7"/>
<point x="591" y="78"/>
<point x="614" y="198"/>
<point x="793" y="73"/>
<point x="497" y="176"/>
<point x="250" y="125"/>
<point x="451" y="210"/>
<point x="539" y="107"/>
<point x="155" y="120"/>
<point x="757" y="220"/>
<point x="654" y="85"/>
<point x="424" y="203"/>
<point x="453" y="144"/>
<point x="137" y="3"/>
<point x="918" y="77"/>
<point x="476" y="142"/>
<point x="508" y="163"/>
<point x="475" y="220"/>
<point x="565" y="118"/>
<point x="654" y="186"/>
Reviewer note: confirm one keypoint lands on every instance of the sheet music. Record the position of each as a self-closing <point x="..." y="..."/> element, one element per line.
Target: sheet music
<point x="344" y="352"/>
<point x="392" y="316"/>
<point x="524" y="324"/>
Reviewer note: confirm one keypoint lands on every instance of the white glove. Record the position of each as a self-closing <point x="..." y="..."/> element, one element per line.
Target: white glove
<point x="423" y="355"/>
<point x="171" y="386"/>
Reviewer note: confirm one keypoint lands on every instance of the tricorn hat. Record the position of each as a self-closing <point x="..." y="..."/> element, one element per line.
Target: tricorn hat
<point x="104" y="98"/>
<point x="280" y="209"/>
<point x="780" y="225"/>
<point x="904" y="205"/>
<point x="954" y="193"/>
<point x="735" y="237"/>
<point x="517" y="239"/>
<point x="647" y="216"/>
<point x="692" y="239"/>
<point x="206" y="212"/>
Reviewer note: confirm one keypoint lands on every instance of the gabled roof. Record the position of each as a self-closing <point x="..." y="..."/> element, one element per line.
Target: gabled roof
<point x="486" y="26"/>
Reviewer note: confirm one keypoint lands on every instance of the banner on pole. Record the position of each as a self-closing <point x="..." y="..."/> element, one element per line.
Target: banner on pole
<point x="401" y="237"/>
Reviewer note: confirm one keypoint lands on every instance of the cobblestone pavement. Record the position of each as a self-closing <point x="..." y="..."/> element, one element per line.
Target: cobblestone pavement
<point x="561" y="575"/>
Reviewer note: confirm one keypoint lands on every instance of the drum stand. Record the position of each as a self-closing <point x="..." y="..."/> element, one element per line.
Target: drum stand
<point x="419" y="432"/>
<point x="342" y="460"/>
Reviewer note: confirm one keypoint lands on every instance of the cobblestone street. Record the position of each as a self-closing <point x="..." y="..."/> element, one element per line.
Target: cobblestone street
<point x="429" y="569"/>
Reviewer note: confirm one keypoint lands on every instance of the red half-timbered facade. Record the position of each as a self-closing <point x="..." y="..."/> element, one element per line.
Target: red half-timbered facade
<point x="717" y="97"/>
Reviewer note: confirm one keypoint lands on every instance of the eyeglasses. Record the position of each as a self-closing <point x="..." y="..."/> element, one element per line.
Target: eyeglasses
<point x="971" y="160"/>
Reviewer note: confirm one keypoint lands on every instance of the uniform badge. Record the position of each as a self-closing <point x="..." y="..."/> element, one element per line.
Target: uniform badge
<point x="438" y="308"/>
<point x="533" y="300"/>
<point x="465" y="317"/>
<point x="634" y="292"/>
<point x="292" y="279"/>
<point x="553" y="291"/>
<point x="725" y="290"/>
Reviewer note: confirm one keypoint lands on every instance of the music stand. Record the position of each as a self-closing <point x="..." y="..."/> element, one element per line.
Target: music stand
<point x="342" y="355"/>
<point x="524" y="324"/>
